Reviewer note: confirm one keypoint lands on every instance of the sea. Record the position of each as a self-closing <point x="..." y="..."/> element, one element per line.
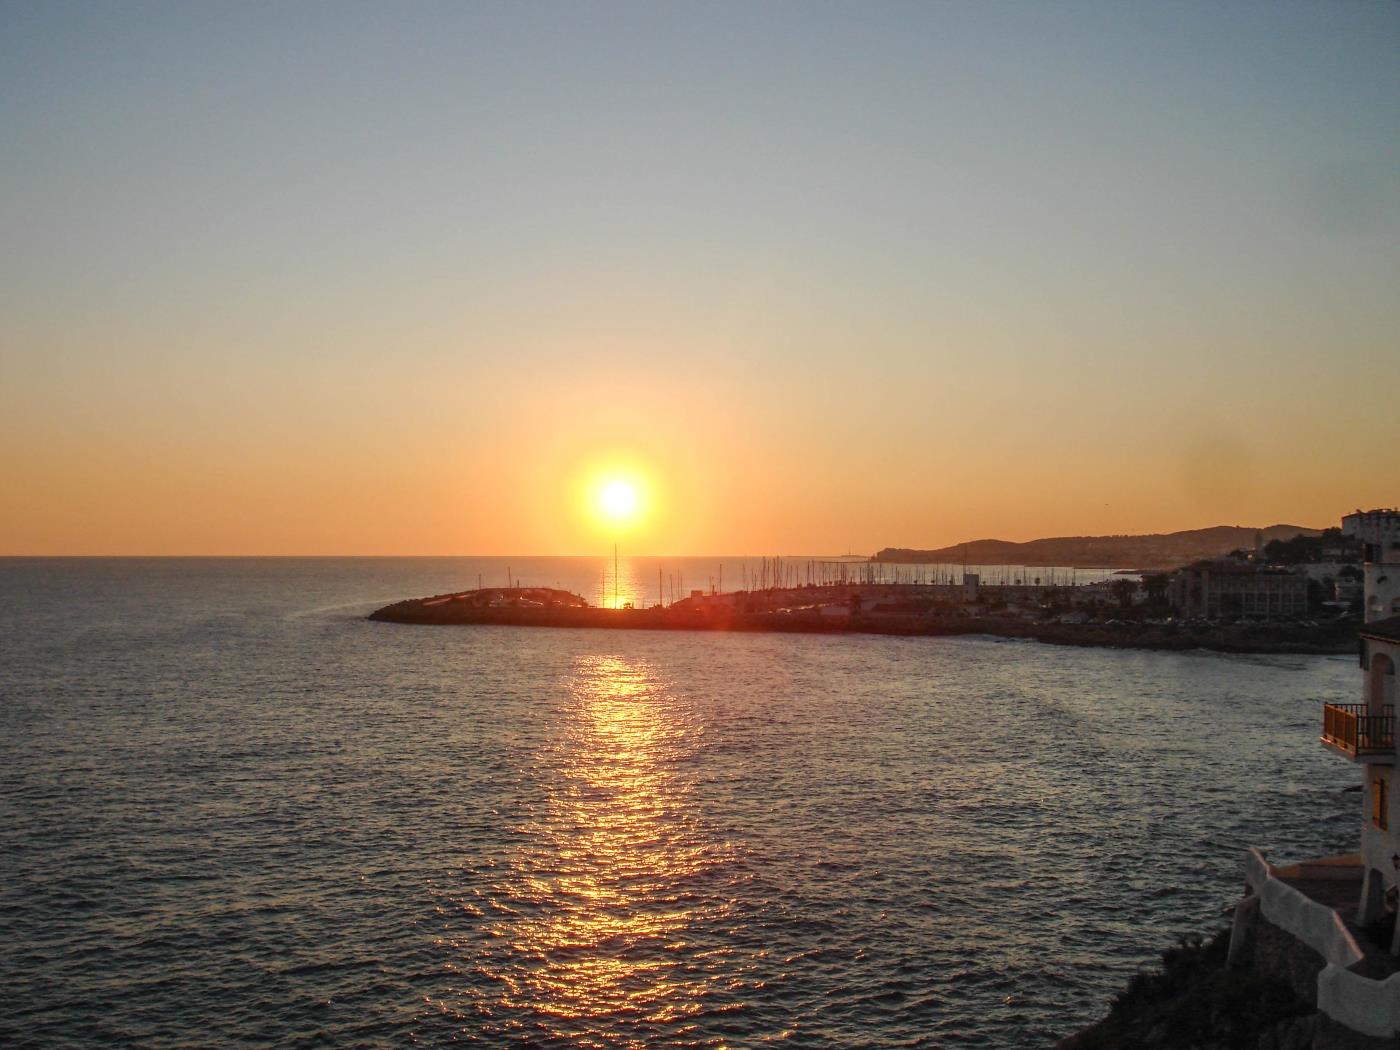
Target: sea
<point x="234" y="812"/>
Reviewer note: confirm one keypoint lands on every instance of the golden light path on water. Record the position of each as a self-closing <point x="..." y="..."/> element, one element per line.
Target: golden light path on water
<point x="286" y="827"/>
<point x="598" y="888"/>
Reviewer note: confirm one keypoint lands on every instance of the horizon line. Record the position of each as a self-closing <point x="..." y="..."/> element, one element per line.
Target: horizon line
<point x="827" y="557"/>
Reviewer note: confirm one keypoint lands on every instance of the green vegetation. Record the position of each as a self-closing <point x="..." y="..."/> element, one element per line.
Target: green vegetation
<point x="1194" y="1001"/>
<point x="1303" y="550"/>
<point x="1124" y="590"/>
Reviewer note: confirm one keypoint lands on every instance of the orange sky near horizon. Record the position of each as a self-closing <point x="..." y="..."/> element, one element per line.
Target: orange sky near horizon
<point x="474" y="438"/>
<point x="454" y="472"/>
<point x="332" y="281"/>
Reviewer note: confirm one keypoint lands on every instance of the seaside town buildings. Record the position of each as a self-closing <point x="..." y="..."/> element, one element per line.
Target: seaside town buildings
<point x="1328" y="926"/>
<point x="1378" y="531"/>
<point x="1310" y="576"/>
<point x="1380" y="526"/>
<point x="1227" y="589"/>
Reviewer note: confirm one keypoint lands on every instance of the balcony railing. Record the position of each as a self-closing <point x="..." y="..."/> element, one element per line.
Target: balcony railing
<point x="1356" y="732"/>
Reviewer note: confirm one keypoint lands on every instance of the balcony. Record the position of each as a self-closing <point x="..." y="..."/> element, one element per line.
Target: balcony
<point x="1351" y="730"/>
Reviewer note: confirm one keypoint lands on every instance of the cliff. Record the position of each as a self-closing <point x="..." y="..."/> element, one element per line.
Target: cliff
<point x="1193" y="1002"/>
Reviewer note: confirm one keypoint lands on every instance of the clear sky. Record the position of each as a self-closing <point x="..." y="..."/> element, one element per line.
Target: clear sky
<point x="400" y="278"/>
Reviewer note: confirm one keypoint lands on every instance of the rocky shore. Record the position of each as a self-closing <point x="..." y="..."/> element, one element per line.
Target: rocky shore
<point x="1194" y="1002"/>
<point x="1326" y="639"/>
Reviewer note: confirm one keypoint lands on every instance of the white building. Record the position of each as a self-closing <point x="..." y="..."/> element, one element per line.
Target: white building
<point x="1379" y="534"/>
<point x="1316" y="924"/>
<point x="1380" y="527"/>
<point x="972" y="585"/>
<point x="1381" y="590"/>
<point x="1368" y="737"/>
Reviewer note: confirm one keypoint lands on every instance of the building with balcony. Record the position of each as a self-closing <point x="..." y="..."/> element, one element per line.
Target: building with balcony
<point x="1373" y="748"/>
<point x="1328" y="926"/>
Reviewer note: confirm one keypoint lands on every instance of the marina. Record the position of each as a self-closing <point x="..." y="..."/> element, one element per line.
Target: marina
<point x="880" y="608"/>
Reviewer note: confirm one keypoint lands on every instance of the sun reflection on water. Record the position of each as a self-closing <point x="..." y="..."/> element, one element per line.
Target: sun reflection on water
<point x="594" y="915"/>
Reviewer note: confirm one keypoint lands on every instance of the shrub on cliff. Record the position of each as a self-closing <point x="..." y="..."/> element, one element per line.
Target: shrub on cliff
<point x="1194" y="1002"/>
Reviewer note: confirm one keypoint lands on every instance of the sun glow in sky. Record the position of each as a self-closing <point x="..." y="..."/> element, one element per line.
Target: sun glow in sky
<point x="617" y="498"/>
<point x="325" y="279"/>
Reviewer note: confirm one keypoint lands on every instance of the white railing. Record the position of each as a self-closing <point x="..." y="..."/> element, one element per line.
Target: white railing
<point x="1363" y="1004"/>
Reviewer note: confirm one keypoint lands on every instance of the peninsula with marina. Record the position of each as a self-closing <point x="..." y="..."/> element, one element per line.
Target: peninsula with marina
<point x="1294" y="590"/>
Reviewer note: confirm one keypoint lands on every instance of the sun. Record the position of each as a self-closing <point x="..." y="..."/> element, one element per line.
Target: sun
<point x="618" y="499"/>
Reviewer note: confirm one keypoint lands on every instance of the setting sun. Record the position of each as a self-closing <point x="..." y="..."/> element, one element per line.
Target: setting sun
<point x="619" y="499"/>
<point x="618" y="502"/>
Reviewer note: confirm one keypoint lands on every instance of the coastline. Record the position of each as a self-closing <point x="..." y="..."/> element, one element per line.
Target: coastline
<point x="451" y="610"/>
<point x="1193" y="1000"/>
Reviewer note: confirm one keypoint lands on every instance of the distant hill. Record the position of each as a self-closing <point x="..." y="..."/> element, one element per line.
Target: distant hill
<point x="1157" y="551"/>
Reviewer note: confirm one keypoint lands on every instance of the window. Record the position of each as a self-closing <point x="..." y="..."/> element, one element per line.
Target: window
<point x="1379" y="807"/>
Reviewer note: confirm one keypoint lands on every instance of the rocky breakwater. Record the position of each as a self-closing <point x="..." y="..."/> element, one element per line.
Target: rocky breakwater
<point x="547" y="607"/>
<point x="838" y="611"/>
<point x="536" y="605"/>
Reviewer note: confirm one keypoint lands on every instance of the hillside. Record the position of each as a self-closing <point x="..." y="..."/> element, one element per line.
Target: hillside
<point x="1155" y="551"/>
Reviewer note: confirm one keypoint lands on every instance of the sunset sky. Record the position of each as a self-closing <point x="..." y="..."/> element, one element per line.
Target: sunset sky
<point x="409" y="278"/>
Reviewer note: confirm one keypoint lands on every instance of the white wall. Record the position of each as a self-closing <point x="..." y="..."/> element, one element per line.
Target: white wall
<point x="1379" y="845"/>
<point x="1382" y="591"/>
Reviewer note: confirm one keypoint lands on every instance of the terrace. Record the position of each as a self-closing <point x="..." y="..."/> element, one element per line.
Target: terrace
<point x="1356" y="732"/>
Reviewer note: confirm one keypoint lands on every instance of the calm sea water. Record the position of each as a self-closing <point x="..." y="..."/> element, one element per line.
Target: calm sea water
<point x="236" y="813"/>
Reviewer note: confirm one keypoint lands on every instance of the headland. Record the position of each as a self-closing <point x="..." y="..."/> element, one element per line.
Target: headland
<point x="1160" y="551"/>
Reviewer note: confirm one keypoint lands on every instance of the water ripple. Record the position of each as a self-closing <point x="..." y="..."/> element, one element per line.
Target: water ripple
<point x="279" y="825"/>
